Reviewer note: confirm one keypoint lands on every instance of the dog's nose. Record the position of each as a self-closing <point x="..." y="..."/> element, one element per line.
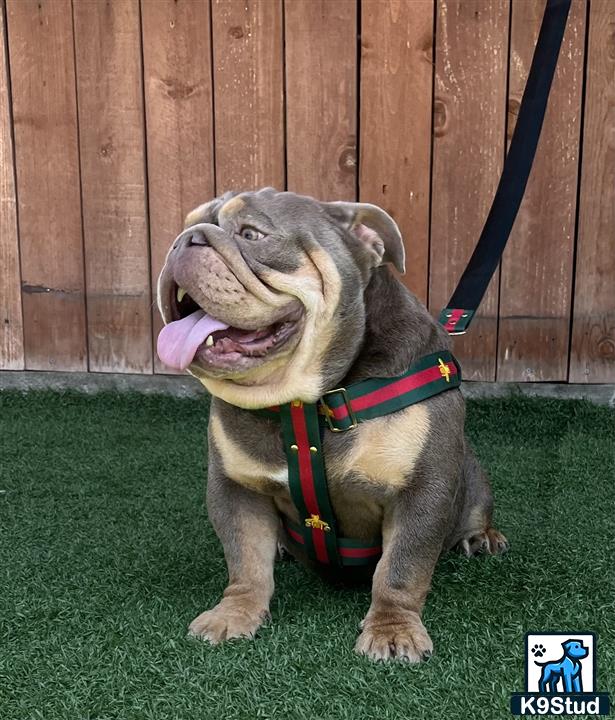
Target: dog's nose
<point x="196" y="237"/>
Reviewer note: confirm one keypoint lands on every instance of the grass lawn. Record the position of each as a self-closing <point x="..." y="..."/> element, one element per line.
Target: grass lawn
<point x="106" y="555"/>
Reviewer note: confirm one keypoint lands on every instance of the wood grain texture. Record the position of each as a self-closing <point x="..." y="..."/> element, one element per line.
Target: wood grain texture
<point x="11" y="326"/>
<point x="593" y="331"/>
<point x="109" y="85"/>
<point x="469" y="121"/>
<point x="536" y="279"/>
<point x="82" y="133"/>
<point x="248" y="86"/>
<point x="47" y="163"/>
<point x="321" y="98"/>
<point x="396" y="112"/>
<point x="179" y="113"/>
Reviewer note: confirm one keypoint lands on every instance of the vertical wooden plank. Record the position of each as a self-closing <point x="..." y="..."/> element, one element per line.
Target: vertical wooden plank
<point x="321" y="97"/>
<point x="593" y="330"/>
<point x="179" y="112"/>
<point x="110" y="97"/>
<point x="47" y="163"/>
<point x="11" y="326"/>
<point x="536" y="279"/>
<point x="248" y="89"/>
<point x="396" y="110"/>
<point x="469" y="121"/>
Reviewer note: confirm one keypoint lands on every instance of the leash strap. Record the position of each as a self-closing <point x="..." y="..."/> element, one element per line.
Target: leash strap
<point x="473" y="284"/>
<point x="339" y="410"/>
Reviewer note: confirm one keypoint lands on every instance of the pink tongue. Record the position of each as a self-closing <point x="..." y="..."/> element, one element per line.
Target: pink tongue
<point x="178" y="341"/>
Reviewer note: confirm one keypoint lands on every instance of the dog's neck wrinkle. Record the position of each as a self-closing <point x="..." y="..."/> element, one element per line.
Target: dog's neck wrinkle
<point x="398" y="330"/>
<point x="393" y="332"/>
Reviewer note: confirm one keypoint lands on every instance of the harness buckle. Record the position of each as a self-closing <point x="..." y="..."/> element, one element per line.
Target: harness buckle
<point x="353" y="418"/>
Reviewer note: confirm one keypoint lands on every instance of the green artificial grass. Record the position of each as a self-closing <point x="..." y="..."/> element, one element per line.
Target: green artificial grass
<point x="106" y="555"/>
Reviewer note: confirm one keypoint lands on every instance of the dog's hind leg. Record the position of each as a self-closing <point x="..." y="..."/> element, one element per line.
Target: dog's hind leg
<point x="548" y="679"/>
<point x="474" y="533"/>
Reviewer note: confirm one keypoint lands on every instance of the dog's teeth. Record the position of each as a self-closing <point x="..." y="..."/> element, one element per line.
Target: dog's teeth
<point x="180" y="294"/>
<point x="210" y="341"/>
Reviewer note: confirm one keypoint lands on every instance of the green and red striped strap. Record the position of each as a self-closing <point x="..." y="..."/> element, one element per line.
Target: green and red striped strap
<point x="431" y="375"/>
<point x="350" y="551"/>
<point x="341" y="409"/>
<point x="307" y="480"/>
<point x="456" y="320"/>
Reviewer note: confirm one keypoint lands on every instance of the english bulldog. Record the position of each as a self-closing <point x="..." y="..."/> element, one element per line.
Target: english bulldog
<point x="271" y="297"/>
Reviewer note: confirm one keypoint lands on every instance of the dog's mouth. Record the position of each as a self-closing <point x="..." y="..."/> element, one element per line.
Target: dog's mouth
<point x="194" y="337"/>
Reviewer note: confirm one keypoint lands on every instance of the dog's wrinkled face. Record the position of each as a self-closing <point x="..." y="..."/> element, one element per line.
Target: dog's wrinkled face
<point x="262" y="293"/>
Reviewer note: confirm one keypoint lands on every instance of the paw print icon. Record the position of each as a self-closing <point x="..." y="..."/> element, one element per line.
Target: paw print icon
<point x="538" y="650"/>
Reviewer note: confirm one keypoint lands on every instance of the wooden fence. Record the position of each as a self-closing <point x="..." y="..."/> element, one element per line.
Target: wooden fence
<point x="117" y="117"/>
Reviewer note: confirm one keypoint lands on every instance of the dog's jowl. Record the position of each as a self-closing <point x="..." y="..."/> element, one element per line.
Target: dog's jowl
<point x="337" y="425"/>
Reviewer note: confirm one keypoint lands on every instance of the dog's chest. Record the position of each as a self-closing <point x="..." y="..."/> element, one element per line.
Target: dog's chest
<point x="378" y="455"/>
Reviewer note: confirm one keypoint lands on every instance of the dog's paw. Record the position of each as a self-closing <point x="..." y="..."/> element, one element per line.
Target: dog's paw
<point x="229" y="619"/>
<point x="539" y="650"/>
<point x="491" y="542"/>
<point x="401" y="638"/>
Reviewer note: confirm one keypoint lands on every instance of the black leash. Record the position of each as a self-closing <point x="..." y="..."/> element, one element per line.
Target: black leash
<point x="473" y="283"/>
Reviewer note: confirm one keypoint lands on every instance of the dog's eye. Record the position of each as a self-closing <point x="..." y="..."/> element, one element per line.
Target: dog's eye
<point x="249" y="233"/>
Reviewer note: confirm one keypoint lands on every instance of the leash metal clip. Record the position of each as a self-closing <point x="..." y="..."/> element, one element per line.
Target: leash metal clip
<point x="353" y="418"/>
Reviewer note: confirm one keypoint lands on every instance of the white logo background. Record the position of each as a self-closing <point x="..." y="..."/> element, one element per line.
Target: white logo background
<point x="553" y="651"/>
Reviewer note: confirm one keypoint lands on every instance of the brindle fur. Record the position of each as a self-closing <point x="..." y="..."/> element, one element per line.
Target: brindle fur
<point x="443" y="500"/>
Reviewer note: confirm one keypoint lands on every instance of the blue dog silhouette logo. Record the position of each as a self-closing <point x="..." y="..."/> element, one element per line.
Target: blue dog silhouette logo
<point x="564" y="672"/>
<point x="560" y="676"/>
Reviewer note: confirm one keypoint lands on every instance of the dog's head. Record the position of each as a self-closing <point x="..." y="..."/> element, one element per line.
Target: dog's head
<point x="262" y="293"/>
<point x="575" y="649"/>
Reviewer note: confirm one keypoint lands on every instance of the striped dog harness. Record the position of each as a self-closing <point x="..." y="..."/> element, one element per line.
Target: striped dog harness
<point x="303" y="424"/>
<point x="339" y="410"/>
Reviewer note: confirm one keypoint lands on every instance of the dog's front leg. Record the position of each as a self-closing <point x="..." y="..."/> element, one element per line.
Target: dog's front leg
<point x="413" y="534"/>
<point x="247" y="525"/>
<point x="576" y="683"/>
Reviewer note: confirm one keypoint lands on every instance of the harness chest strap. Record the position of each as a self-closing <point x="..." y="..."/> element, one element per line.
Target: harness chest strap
<point x="342" y="409"/>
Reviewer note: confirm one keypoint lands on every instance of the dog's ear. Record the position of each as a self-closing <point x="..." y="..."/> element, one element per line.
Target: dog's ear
<point x="208" y="212"/>
<point x="374" y="228"/>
